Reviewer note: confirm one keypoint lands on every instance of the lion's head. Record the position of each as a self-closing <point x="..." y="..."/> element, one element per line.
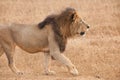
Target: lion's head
<point x="65" y="25"/>
<point x="70" y="23"/>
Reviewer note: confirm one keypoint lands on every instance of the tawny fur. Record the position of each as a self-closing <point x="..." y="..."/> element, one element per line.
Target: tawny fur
<point x="50" y="36"/>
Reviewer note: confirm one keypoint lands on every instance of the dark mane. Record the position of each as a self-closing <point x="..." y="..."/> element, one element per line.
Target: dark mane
<point x="58" y="36"/>
<point x="46" y="21"/>
<point x="60" y="25"/>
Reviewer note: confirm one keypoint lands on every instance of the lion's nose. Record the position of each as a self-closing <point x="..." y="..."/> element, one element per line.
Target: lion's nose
<point x="82" y="33"/>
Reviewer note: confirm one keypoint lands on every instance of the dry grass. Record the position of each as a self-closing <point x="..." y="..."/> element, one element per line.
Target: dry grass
<point x="98" y="53"/>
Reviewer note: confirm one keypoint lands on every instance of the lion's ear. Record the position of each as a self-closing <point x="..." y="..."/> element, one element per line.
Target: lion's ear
<point x="73" y="16"/>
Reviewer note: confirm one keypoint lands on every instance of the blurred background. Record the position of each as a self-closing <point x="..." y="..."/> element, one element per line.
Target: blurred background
<point x="97" y="55"/>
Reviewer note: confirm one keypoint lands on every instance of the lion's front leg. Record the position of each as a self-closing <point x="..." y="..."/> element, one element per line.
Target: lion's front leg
<point x="47" y="64"/>
<point x="64" y="60"/>
<point x="55" y="52"/>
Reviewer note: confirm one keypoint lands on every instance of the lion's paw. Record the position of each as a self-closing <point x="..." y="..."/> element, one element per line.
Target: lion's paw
<point x="74" y="71"/>
<point x="19" y="73"/>
<point x="50" y="73"/>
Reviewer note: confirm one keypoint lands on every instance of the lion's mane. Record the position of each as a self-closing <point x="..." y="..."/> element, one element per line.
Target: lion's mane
<point x="62" y="26"/>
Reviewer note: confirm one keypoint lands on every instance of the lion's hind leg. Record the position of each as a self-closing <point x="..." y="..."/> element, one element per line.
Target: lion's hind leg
<point x="9" y="48"/>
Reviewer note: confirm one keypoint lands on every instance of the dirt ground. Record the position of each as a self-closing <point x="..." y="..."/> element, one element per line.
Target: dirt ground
<point x="96" y="55"/>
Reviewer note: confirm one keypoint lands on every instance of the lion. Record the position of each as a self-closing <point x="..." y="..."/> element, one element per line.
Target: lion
<point x="49" y="36"/>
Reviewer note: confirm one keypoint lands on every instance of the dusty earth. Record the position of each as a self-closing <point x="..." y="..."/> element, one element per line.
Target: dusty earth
<point x="96" y="55"/>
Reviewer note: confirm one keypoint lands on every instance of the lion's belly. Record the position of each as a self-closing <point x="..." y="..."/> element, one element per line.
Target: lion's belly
<point x="34" y="46"/>
<point x="31" y="39"/>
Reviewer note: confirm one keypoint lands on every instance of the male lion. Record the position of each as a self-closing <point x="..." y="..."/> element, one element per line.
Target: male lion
<point x="50" y="36"/>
